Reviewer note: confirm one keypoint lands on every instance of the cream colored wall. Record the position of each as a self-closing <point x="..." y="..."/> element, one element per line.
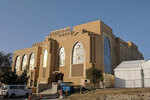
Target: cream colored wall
<point x="68" y="39"/>
<point x="68" y="46"/>
<point x="28" y="52"/>
<point x="46" y="46"/>
<point x="23" y="52"/>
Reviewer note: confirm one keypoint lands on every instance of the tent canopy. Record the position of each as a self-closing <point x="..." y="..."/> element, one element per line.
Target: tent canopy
<point x="130" y="65"/>
<point x="146" y="65"/>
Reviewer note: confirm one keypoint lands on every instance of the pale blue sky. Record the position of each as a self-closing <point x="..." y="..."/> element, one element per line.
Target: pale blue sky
<point x="24" y="22"/>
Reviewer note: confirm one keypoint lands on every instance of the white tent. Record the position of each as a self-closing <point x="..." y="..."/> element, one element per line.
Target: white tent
<point x="129" y="74"/>
<point x="146" y="71"/>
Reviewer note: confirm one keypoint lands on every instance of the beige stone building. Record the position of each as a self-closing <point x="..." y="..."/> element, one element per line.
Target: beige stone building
<point x="72" y="51"/>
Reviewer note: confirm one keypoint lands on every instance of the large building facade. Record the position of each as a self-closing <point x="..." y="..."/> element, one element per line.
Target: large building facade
<point x="72" y="51"/>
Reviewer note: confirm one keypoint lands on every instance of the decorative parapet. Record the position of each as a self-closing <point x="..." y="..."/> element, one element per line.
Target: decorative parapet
<point x="66" y="31"/>
<point x="37" y="44"/>
<point x="61" y="31"/>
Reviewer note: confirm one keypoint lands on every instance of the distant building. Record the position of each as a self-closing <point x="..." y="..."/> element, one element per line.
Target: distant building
<point x="72" y="52"/>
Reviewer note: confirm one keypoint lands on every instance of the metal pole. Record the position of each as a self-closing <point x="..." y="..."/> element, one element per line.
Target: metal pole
<point x="142" y="75"/>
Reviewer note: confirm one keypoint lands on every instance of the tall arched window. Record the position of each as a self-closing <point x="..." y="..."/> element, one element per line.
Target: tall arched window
<point x="24" y="62"/>
<point x="107" y="56"/>
<point x="32" y="60"/>
<point x="78" y="54"/>
<point x="17" y="64"/>
<point x="62" y="57"/>
<point x="45" y="57"/>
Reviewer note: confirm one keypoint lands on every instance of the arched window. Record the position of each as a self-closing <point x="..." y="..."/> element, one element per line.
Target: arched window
<point x="32" y="60"/>
<point x="45" y="57"/>
<point x="24" y="62"/>
<point x="107" y="56"/>
<point x="62" y="57"/>
<point x="17" y="64"/>
<point x="78" y="54"/>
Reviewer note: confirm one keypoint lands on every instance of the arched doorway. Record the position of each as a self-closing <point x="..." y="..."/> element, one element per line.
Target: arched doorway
<point x="78" y="60"/>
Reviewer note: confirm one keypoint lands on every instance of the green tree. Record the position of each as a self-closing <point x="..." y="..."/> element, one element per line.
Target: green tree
<point x="95" y="75"/>
<point x="5" y="59"/>
<point x="9" y="78"/>
<point x="23" y="78"/>
<point x="1" y="58"/>
<point x="12" y="78"/>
